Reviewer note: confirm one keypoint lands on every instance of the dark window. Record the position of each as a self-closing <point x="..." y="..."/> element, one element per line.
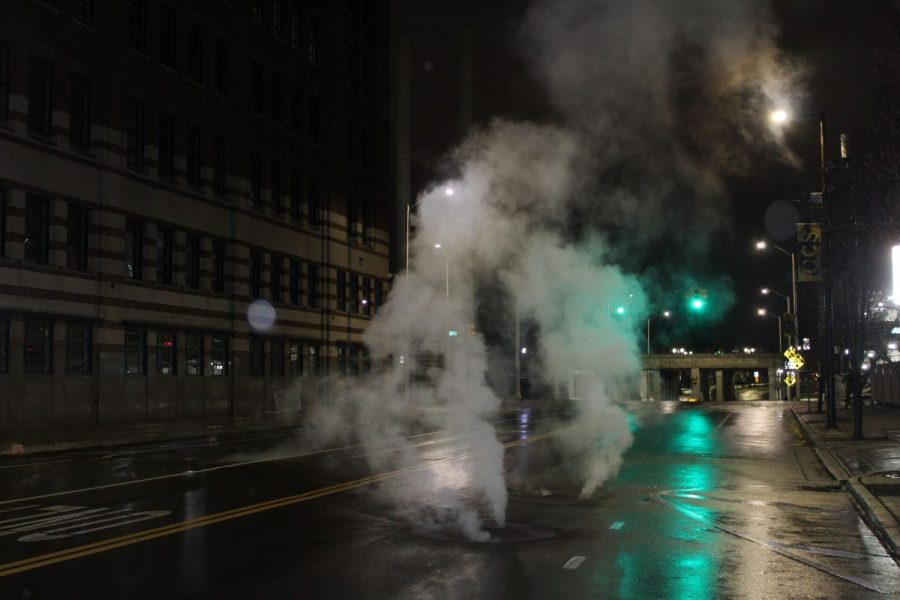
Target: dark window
<point x="40" y="96"/>
<point x="296" y="196"/>
<point x="295" y="26"/>
<point x="255" y="180"/>
<point x="295" y="282"/>
<point x="312" y="40"/>
<point x="194" y="154"/>
<point x="134" y="249"/>
<point x="354" y="293"/>
<point x="352" y="215"/>
<point x="134" y="132"/>
<point x="168" y="37"/>
<point x="80" y="112"/>
<point x="218" y="266"/>
<point x="166" y="354"/>
<point x="166" y="145"/>
<point x="219" y="360"/>
<point x="193" y="354"/>
<point x="4" y="82"/>
<point x="367" y="296"/>
<point x="312" y="358"/>
<point x="2" y="223"/>
<point x="255" y="273"/>
<point x="192" y="262"/>
<point x="137" y="26"/>
<point x="196" y="43"/>
<point x="379" y="292"/>
<point x="257" y="356"/>
<point x="296" y="109"/>
<point x="313" y="202"/>
<point x="342" y="359"/>
<point x="312" y="286"/>
<point x="295" y="359"/>
<point x="37" y="230"/>
<point x="256" y="87"/>
<point x="38" y="347"/>
<point x="78" y="224"/>
<point x="83" y="10"/>
<point x="314" y="118"/>
<point x="276" y="362"/>
<point x="4" y="346"/>
<point x="164" y="256"/>
<point x="277" y="190"/>
<point x="135" y="348"/>
<point x="219" y="164"/>
<point x="277" y="99"/>
<point x="256" y="11"/>
<point x="277" y="21"/>
<point x="341" y="290"/>
<point x="277" y="264"/>
<point x="221" y="67"/>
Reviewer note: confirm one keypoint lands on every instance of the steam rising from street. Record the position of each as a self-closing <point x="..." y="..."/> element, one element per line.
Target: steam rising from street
<point x="540" y="215"/>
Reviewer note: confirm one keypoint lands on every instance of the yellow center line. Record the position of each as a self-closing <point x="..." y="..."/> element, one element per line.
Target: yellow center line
<point x="43" y="560"/>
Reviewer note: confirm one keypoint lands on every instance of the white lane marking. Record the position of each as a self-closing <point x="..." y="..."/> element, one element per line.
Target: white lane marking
<point x="722" y="422"/>
<point x="49" y="511"/>
<point x="118" y="521"/>
<point x="617" y="525"/>
<point x="53" y="521"/>
<point x="25" y="507"/>
<point x="190" y="473"/>
<point x="573" y="563"/>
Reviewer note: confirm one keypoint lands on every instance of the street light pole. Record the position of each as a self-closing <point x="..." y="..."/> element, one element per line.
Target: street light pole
<point x="831" y="422"/>
<point x="666" y="314"/>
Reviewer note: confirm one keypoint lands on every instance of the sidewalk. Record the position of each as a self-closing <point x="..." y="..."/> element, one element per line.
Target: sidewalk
<point x="35" y="441"/>
<point x="870" y="468"/>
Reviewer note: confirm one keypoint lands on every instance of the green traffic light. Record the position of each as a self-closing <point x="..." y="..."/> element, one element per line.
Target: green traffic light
<point x="697" y="304"/>
<point x="620" y="310"/>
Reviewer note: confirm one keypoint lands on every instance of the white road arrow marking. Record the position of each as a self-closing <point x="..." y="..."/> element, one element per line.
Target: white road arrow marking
<point x="573" y="563"/>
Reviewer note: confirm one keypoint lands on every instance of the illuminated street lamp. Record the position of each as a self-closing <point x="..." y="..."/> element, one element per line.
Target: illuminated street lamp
<point x="779" y="116"/>
<point x="766" y="291"/>
<point x="762" y="245"/>
<point x="665" y="314"/>
<point x="762" y="312"/>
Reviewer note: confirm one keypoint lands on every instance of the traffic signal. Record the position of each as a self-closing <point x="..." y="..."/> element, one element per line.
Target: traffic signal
<point x="697" y="300"/>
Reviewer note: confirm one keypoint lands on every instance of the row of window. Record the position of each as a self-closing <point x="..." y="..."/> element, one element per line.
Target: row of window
<point x="37" y="348"/>
<point x="194" y="362"/>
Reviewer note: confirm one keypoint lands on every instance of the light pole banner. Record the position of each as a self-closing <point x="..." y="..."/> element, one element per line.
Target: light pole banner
<point x="809" y="252"/>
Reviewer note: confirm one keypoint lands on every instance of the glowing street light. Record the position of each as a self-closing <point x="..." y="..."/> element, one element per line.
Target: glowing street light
<point x="766" y="291"/>
<point x="665" y="314"/>
<point x="779" y="116"/>
<point x="449" y="191"/>
<point x="762" y="245"/>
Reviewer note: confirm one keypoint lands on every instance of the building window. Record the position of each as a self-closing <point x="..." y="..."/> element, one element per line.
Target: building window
<point x="40" y="96"/>
<point x="166" y="353"/>
<point x="219" y="164"/>
<point x="78" y="224"/>
<point x="4" y="346"/>
<point x="166" y="145"/>
<point x="194" y="154"/>
<point x="134" y="249"/>
<point x="257" y="356"/>
<point x="78" y="349"/>
<point x="277" y="21"/>
<point x="221" y="67"/>
<point x="379" y="292"/>
<point x="277" y="99"/>
<point x="168" y="37"/>
<point x="295" y="26"/>
<point x="312" y="40"/>
<point x="37" y="230"/>
<point x="193" y="354"/>
<point x="312" y="358"/>
<point x="353" y="301"/>
<point x="295" y="359"/>
<point x="297" y="109"/>
<point x="4" y="82"/>
<point x="312" y="286"/>
<point x="218" y="266"/>
<point x="276" y="363"/>
<point x="256" y="87"/>
<point x="256" y="11"/>
<point x="137" y="26"/>
<point x="2" y="223"/>
<point x="342" y="290"/>
<point x="277" y="263"/>
<point x="295" y="282"/>
<point x="342" y="359"/>
<point x="134" y="132"/>
<point x="255" y="274"/>
<point x="219" y="355"/>
<point x="196" y="43"/>
<point x="38" y="347"/>
<point x="296" y="196"/>
<point x="83" y="11"/>
<point x="80" y="112"/>
<point x="276" y="188"/>
<point x="255" y="180"/>
<point x="313" y="202"/>
<point x="135" y="349"/>
<point x="164" y="256"/>
<point x="192" y="262"/>
<point x="367" y="296"/>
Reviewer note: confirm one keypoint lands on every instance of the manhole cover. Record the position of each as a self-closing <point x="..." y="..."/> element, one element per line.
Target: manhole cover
<point x="513" y="533"/>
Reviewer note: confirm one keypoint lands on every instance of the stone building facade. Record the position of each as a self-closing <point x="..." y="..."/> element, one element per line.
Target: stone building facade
<point x="163" y="165"/>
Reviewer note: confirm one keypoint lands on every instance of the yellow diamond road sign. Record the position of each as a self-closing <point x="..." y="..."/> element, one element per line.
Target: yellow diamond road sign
<point x="790" y="380"/>
<point x="796" y="361"/>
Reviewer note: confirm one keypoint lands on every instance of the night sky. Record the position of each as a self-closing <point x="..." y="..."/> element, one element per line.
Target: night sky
<point x="834" y="41"/>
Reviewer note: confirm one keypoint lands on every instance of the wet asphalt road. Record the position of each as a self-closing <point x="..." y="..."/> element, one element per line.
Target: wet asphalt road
<point x="713" y="501"/>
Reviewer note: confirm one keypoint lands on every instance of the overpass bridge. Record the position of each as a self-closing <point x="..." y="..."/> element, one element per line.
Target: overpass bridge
<point x="661" y="374"/>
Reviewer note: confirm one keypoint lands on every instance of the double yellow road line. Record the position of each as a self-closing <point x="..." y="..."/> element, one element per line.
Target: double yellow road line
<point x="44" y="560"/>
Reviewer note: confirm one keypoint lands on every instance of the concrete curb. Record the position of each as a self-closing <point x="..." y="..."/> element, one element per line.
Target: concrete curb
<point x="831" y="464"/>
<point x="876" y="514"/>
